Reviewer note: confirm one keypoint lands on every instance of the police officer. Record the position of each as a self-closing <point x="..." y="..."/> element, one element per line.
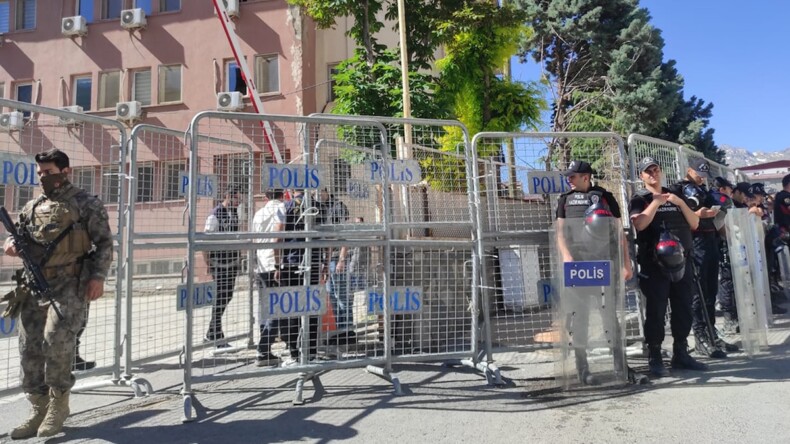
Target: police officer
<point x="573" y="205"/>
<point x="223" y="265"/>
<point x="758" y="206"/>
<point x="72" y="223"/>
<point x="782" y="210"/>
<point x="661" y="277"/>
<point x="706" y="255"/>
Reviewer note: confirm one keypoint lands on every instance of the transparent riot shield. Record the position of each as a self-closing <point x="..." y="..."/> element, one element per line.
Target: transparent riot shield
<point x="757" y="259"/>
<point x="589" y="303"/>
<point x="784" y="266"/>
<point x="749" y="303"/>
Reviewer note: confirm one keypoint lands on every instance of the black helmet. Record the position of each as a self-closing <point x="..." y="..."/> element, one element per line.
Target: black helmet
<point x="597" y="219"/>
<point x="693" y="195"/>
<point x="670" y="255"/>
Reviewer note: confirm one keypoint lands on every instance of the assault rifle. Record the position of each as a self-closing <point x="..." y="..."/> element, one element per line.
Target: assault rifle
<point x="35" y="278"/>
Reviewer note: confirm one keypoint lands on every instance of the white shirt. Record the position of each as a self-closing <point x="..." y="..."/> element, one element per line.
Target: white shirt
<point x="265" y="221"/>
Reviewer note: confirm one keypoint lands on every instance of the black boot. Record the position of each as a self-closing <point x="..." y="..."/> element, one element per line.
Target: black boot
<point x="682" y="360"/>
<point x="705" y="347"/>
<point x="655" y="361"/>
<point x="730" y="324"/>
<point x="583" y="369"/>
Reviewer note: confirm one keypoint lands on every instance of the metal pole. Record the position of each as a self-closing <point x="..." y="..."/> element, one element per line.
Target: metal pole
<point x="404" y="63"/>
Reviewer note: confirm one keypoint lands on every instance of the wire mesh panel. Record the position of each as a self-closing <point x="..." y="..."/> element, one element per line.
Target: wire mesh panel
<point x="96" y="149"/>
<point x="666" y="154"/>
<point x="432" y="223"/>
<point x="157" y="243"/>
<point x="716" y="169"/>
<point x="311" y="245"/>
<point x="520" y="186"/>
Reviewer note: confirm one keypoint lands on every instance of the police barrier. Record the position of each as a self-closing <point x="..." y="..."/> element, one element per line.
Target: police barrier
<point x="432" y="234"/>
<point x="97" y="151"/>
<point x="520" y="186"/>
<point x="716" y="169"/>
<point x="589" y="300"/>
<point x="751" y="303"/>
<point x="333" y="176"/>
<point x="157" y="244"/>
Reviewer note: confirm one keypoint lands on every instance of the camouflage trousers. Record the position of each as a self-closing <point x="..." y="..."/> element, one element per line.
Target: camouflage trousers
<point x="46" y="343"/>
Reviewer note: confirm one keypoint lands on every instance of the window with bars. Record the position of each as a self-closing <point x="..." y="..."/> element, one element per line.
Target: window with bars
<point x="141" y="86"/>
<point x="83" y="178"/>
<point x="169" y="83"/>
<point x="145" y="183"/>
<point x="22" y="196"/>
<point x="2" y="195"/>
<point x="267" y="74"/>
<point x="172" y="184"/>
<point x="25" y="14"/>
<point x="109" y="89"/>
<point x="110" y="184"/>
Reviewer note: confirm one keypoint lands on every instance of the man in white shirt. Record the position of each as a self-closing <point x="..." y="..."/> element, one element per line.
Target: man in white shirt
<point x="269" y="219"/>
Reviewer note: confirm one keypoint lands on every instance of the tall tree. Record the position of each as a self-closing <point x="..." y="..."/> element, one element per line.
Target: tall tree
<point x="689" y="125"/>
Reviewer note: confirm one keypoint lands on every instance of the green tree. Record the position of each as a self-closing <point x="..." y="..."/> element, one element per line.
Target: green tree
<point x="689" y="125"/>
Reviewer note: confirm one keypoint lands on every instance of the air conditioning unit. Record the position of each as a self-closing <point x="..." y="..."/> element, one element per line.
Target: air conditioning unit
<point x="133" y="18"/>
<point x="128" y="111"/>
<point x="230" y="101"/>
<point x="13" y="121"/>
<point x="232" y="6"/>
<point x="68" y="121"/>
<point x="76" y="25"/>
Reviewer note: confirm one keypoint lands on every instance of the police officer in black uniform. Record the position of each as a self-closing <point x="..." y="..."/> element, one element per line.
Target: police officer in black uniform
<point x="706" y="255"/>
<point x="782" y="210"/>
<point x="741" y="194"/>
<point x="771" y="256"/>
<point x="573" y="205"/>
<point x="653" y="209"/>
<point x="721" y="191"/>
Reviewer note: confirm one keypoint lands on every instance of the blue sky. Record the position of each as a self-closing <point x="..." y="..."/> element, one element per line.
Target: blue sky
<point x="734" y="54"/>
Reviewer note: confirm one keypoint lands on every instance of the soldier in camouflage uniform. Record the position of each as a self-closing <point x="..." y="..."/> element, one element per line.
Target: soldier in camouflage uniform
<point x="75" y="270"/>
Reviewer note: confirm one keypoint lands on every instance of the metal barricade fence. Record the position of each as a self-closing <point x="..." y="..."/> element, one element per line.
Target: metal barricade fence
<point x="432" y="238"/>
<point x="96" y="148"/>
<point x="666" y="154"/>
<point x="336" y="191"/>
<point x="517" y="204"/>
<point x="716" y="169"/>
<point x="157" y="245"/>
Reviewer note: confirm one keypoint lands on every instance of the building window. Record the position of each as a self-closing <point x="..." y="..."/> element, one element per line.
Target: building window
<point x="169" y="83"/>
<point x="85" y="9"/>
<point x="111" y="9"/>
<point x="83" y="178"/>
<point x="233" y="78"/>
<point x="169" y="5"/>
<point x="2" y="195"/>
<point x="23" y="196"/>
<point x="342" y="171"/>
<point x="24" y="93"/>
<point x="82" y="92"/>
<point x="5" y="16"/>
<point x="109" y="89"/>
<point x="145" y="183"/>
<point x="2" y="90"/>
<point x="331" y="78"/>
<point x="233" y="169"/>
<point x="110" y="184"/>
<point x="267" y="74"/>
<point x="141" y="86"/>
<point x="145" y="5"/>
<point x="172" y="183"/>
<point x="25" y="14"/>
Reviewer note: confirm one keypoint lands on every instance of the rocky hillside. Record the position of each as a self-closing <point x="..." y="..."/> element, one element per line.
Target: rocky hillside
<point x="740" y="157"/>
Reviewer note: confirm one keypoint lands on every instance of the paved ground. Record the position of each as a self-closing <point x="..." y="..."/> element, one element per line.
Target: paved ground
<point x="737" y="401"/>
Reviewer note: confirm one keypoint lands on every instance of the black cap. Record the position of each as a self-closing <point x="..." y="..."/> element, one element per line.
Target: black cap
<point x="721" y="182"/>
<point x="700" y="165"/>
<point x="758" y="188"/>
<point x="578" y="167"/>
<point x="745" y="188"/>
<point x="646" y="163"/>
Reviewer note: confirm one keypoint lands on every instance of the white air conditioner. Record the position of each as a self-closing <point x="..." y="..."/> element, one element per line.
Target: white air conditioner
<point x="232" y="6"/>
<point x="13" y="121"/>
<point x="128" y="111"/>
<point x="133" y="18"/>
<point x="230" y="101"/>
<point x="67" y="121"/>
<point x="76" y="25"/>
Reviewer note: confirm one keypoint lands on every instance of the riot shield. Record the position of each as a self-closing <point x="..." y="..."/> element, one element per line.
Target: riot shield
<point x="749" y="302"/>
<point x="784" y="266"/>
<point x="757" y="259"/>
<point x="589" y="303"/>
